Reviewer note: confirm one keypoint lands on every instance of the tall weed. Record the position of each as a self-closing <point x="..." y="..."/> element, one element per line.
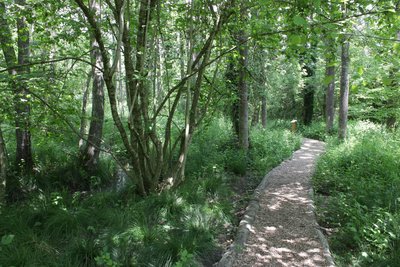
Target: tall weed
<point x="358" y="182"/>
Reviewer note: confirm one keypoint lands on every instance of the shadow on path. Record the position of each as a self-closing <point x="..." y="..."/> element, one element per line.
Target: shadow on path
<point x="279" y="227"/>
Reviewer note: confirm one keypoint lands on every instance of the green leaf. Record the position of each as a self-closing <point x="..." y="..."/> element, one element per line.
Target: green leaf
<point x="360" y="71"/>
<point x="7" y="239"/>
<point x="300" y="21"/>
<point x="387" y="81"/>
<point x="295" y="40"/>
<point x="328" y="79"/>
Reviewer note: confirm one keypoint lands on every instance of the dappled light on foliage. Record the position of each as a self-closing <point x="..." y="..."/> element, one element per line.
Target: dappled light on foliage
<point x="358" y="187"/>
<point x="133" y="133"/>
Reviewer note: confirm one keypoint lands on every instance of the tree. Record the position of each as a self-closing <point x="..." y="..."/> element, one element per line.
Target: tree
<point x="3" y="165"/>
<point x="151" y="154"/>
<point x="91" y="152"/>
<point x="309" y="62"/>
<point x="18" y="76"/>
<point x="243" y="120"/>
<point x="344" y="88"/>
<point x="330" y="86"/>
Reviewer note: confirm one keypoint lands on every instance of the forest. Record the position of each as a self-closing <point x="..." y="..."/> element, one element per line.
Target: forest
<point x="134" y="132"/>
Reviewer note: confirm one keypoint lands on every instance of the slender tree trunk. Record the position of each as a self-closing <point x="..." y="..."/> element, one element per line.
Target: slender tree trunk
<point x="344" y="89"/>
<point x="330" y="94"/>
<point x="232" y="84"/>
<point x="243" y="92"/>
<point x="82" y="129"/>
<point x="24" y="157"/>
<point x="264" y="111"/>
<point x="256" y="115"/>
<point x="391" y="119"/>
<point x="3" y="166"/>
<point x="91" y="152"/>
<point x="308" y="96"/>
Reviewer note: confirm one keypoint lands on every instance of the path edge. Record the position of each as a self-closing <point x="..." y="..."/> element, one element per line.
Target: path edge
<point x="245" y="225"/>
<point x="321" y="236"/>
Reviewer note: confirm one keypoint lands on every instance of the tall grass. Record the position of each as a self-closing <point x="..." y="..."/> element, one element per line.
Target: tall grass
<point x="179" y="227"/>
<point x="358" y="183"/>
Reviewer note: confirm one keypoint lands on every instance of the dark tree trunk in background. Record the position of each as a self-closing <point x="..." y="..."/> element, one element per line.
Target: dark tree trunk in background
<point x="24" y="160"/>
<point x="232" y="84"/>
<point x="264" y="111"/>
<point x="243" y="92"/>
<point x="82" y="129"/>
<point x="391" y="119"/>
<point x="256" y="115"/>
<point x="22" y="104"/>
<point x="330" y="93"/>
<point x="308" y="95"/>
<point x="91" y="152"/>
<point x="344" y="89"/>
<point x="3" y="166"/>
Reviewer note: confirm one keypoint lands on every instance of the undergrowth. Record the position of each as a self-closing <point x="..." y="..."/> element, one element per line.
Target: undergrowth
<point x="102" y="227"/>
<point x="358" y="196"/>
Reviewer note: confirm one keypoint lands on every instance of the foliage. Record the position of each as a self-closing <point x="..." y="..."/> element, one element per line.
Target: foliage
<point x="358" y="187"/>
<point x="272" y="145"/>
<point x="178" y="227"/>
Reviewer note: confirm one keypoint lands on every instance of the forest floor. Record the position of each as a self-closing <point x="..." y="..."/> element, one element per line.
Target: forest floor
<point x="279" y="227"/>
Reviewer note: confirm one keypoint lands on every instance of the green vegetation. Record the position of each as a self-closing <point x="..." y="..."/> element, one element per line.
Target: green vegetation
<point x="358" y="196"/>
<point x="177" y="227"/>
<point x="133" y="131"/>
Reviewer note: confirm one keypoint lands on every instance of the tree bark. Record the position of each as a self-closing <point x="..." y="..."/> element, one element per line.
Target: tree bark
<point x="243" y="92"/>
<point x="330" y="93"/>
<point x="83" y="124"/>
<point x="3" y="166"/>
<point x="344" y="89"/>
<point x="264" y="111"/>
<point x="309" y="92"/>
<point x="24" y="159"/>
<point x="256" y="115"/>
<point x="90" y="156"/>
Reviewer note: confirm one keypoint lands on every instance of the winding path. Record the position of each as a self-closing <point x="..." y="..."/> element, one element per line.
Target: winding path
<point x="279" y="227"/>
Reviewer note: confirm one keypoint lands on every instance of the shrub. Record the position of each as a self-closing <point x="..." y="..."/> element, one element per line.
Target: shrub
<point x="359" y="186"/>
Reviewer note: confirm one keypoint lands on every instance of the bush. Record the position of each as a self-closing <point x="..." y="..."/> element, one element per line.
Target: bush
<point x="179" y="227"/>
<point x="270" y="146"/>
<point x="359" y="186"/>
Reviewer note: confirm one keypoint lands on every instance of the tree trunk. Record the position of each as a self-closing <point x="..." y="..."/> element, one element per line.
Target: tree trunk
<point x="243" y="92"/>
<point x="91" y="152"/>
<point x="344" y="89"/>
<point x="256" y="115"/>
<point x="82" y="129"/>
<point x="24" y="158"/>
<point x="24" y="161"/>
<point x="330" y="94"/>
<point x="264" y="111"/>
<point x="3" y="166"/>
<point x="232" y="84"/>
<point x="308" y="96"/>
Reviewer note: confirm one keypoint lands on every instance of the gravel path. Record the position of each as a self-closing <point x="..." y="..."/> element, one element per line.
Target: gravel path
<point x="279" y="227"/>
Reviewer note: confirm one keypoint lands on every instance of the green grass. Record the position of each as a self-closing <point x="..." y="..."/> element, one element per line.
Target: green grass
<point x="358" y="183"/>
<point x="179" y="227"/>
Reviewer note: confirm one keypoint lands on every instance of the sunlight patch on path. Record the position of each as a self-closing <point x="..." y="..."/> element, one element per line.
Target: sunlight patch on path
<point x="283" y="230"/>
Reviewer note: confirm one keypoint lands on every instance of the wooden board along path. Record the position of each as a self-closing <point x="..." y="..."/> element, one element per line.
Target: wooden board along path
<point x="279" y="227"/>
